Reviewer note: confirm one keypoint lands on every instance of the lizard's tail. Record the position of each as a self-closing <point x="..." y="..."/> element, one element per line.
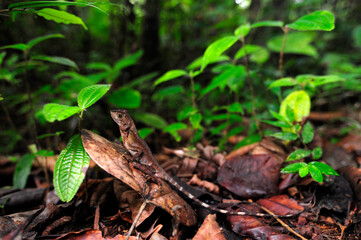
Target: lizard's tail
<point x="223" y="211"/>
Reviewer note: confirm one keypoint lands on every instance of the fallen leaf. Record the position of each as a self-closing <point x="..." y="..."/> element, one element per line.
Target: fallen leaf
<point x="241" y="151"/>
<point x="209" y="230"/>
<point x="211" y="187"/>
<point x="281" y="205"/>
<point x="114" y="159"/>
<point x="250" y="176"/>
<point x="255" y="228"/>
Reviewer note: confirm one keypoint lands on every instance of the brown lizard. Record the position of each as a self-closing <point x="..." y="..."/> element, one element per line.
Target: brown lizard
<point x="142" y="155"/>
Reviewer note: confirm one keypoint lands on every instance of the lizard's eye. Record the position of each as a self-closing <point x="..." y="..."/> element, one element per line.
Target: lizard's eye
<point x="120" y="115"/>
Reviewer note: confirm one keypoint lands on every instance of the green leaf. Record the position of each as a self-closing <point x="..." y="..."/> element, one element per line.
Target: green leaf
<point x="170" y="75"/>
<point x="248" y="140"/>
<point x="198" y="62"/>
<point x="195" y="120"/>
<point x="235" y="107"/>
<point x="37" y="40"/>
<point x="57" y="60"/>
<point x="287" y="136"/>
<point x="99" y="66"/>
<point x="303" y="171"/>
<point x="144" y="132"/>
<point x="297" y="43"/>
<point x="316" y="174"/>
<point x="60" y="16"/>
<point x="22" y="170"/>
<point x="280" y="124"/>
<point x="290" y="114"/>
<point x="54" y="111"/>
<point x="38" y="4"/>
<point x="294" y="167"/>
<point x="298" y="154"/>
<point x="2" y="55"/>
<point x="300" y="104"/>
<point x="70" y="169"/>
<point x="235" y="131"/>
<point x="242" y="31"/>
<point x="232" y="74"/>
<point x="318" y="20"/>
<point x="151" y="120"/>
<point x="324" y="168"/>
<point x="44" y="153"/>
<point x="50" y="134"/>
<point x="283" y="82"/>
<point x="307" y="133"/>
<point x="356" y="34"/>
<point x="174" y="128"/>
<point x="128" y="61"/>
<point x="18" y="46"/>
<point x="260" y="56"/>
<point x="185" y="113"/>
<point x="89" y="95"/>
<point x="318" y="80"/>
<point x="279" y="117"/>
<point x="267" y="24"/>
<point x="317" y="153"/>
<point x="214" y="50"/>
<point x="125" y="98"/>
<point x="247" y="48"/>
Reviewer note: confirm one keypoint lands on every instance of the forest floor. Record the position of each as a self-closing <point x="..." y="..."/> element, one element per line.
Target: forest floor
<point x="248" y="179"/>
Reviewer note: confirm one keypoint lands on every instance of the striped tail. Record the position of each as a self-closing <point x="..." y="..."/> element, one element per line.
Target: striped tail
<point x="223" y="211"/>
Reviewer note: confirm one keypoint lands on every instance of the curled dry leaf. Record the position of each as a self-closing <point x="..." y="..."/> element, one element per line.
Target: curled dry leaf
<point x="211" y="187"/>
<point x="255" y="228"/>
<point x="241" y="151"/>
<point x="352" y="143"/>
<point x="188" y="165"/>
<point x="250" y="176"/>
<point x="114" y="159"/>
<point x="209" y="230"/>
<point x="281" y="205"/>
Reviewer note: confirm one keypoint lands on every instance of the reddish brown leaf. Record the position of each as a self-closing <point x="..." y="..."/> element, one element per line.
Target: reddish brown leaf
<point x="114" y="159"/>
<point x="255" y="228"/>
<point x="241" y="151"/>
<point x="211" y="187"/>
<point x="250" y="176"/>
<point x="351" y="143"/>
<point x="281" y="205"/>
<point x="325" y="116"/>
<point x="209" y="230"/>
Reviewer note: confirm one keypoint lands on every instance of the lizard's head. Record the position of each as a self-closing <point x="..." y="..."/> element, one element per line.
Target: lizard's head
<point x="122" y="118"/>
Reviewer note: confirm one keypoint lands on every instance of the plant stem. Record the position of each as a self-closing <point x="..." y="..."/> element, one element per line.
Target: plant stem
<point x="32" y="115"/>
<point x="30" y="101"/>
<point x="250" y="86"/>
<point x="280" y="61"/>
<point x="141" y="209"/>
<point x="193" y="92"/>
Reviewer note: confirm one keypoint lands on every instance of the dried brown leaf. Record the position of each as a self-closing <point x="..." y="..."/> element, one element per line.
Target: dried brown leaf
<point x="250" y="176"/>
<point x="209" y="230"/>
<point x="281" y="205"/>
<point x="114" y="159"/>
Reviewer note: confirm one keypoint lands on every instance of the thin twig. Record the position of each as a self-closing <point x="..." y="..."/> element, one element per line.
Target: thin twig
<point x="141" y="209"/>
<point x="193" y="93"/>
<point x="283" y="223"/>
<point x="280" y="61"/>
<point x="250" y="86"/>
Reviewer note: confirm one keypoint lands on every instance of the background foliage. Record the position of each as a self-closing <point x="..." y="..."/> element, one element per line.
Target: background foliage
<point x="130" y="43"/>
